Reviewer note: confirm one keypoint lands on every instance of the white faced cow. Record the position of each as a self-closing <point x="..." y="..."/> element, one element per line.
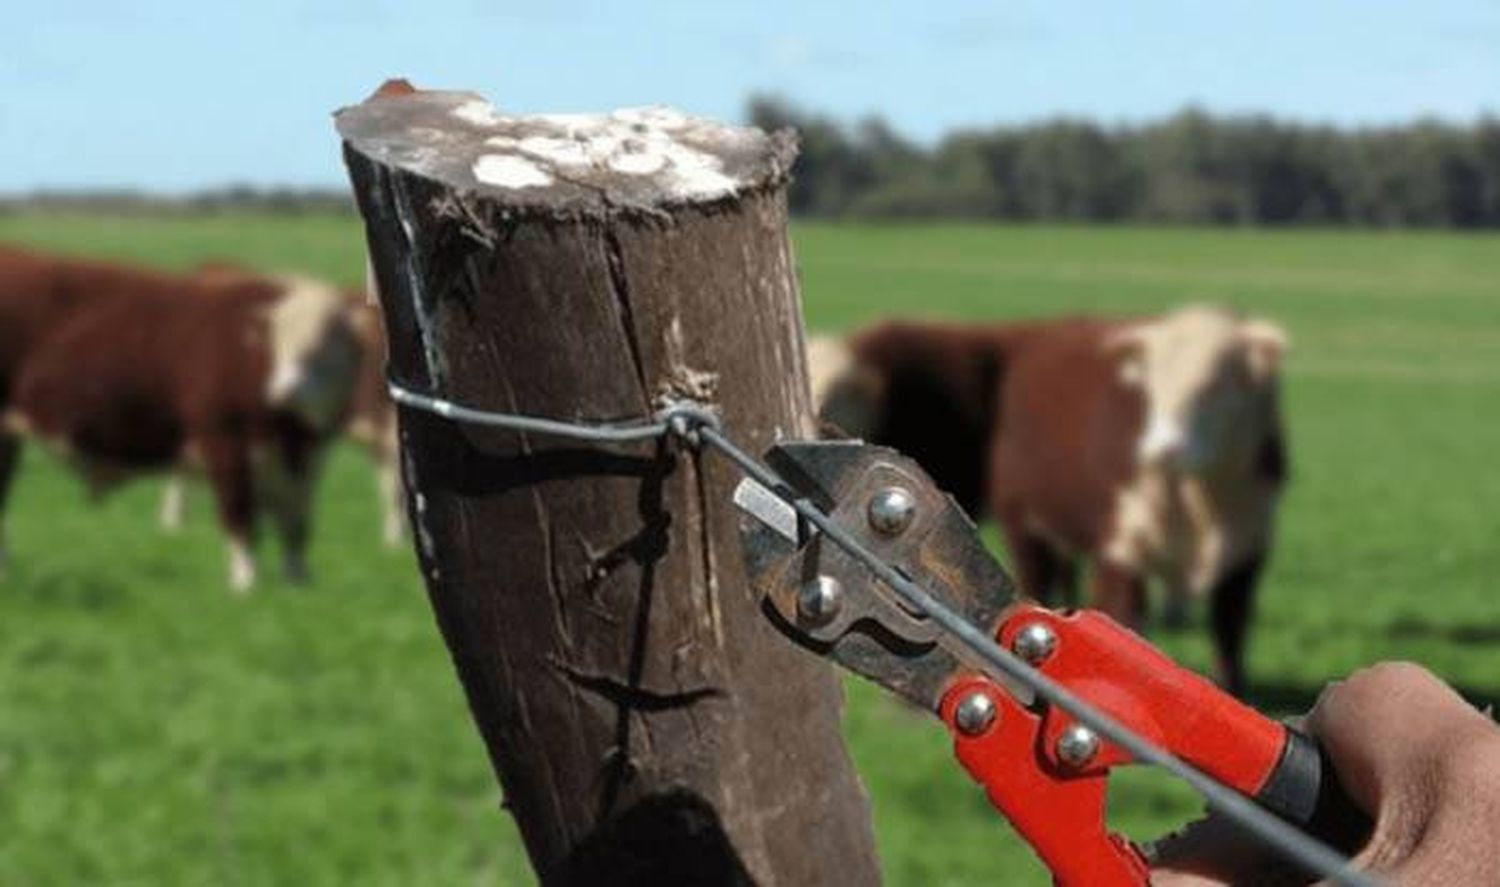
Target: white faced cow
<point x="370" y="421"/>
<point x="121" y="370"/>
<point x="1149" y="447"/>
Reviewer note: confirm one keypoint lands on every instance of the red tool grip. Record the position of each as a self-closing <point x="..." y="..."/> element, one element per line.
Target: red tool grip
<point x="1041" y="770"/>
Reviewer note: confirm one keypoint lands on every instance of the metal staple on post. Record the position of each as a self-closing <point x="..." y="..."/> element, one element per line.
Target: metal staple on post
<point x="698" y="425"/>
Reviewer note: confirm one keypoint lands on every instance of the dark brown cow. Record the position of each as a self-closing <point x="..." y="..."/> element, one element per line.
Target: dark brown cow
<point x="1149" y="447"/>
<point x="371" y="420"/>
<point x="122" y="370"/>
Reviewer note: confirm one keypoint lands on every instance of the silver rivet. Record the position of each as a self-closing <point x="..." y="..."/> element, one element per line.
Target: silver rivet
<point x="818" y="601"/>
<point x="974" y="714"/>
<point x="1077" y="745"/>
<point x="892" y="510"/>
<point x="1034" y="643"/>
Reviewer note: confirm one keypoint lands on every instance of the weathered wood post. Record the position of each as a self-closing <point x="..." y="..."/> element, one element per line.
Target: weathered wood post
<point x="646" y="724"/>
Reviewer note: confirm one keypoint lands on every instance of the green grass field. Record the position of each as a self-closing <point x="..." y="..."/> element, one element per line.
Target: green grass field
<point x="156" y="731"/>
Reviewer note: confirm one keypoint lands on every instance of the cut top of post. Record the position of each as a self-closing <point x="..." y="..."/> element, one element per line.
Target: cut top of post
<point x="636" y="157"/>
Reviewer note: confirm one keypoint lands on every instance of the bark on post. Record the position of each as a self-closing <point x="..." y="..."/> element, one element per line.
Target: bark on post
<point x="646" y="724"/>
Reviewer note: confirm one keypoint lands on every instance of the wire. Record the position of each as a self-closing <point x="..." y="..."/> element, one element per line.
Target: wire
<point x="680" y="418"/>
<point x="698" y="425"/>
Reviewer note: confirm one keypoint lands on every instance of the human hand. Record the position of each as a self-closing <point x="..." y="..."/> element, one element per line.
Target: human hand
<point x="1411" y="753"/>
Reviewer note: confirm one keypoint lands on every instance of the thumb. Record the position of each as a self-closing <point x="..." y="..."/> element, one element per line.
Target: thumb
<point x="1425" y="765"/>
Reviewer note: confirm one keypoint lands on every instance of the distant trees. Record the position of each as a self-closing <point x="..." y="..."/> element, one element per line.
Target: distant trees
<point x="1192" y="168"/>
<point x="234" y="198"/>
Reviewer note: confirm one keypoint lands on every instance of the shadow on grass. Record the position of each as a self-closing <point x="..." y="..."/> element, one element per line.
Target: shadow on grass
<point x="1467" y="635"/>
<point x="1285" y="698"/>
<point x="64" y="589"/>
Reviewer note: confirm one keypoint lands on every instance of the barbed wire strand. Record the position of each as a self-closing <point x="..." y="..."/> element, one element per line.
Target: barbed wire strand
<point x="699" y="425"/>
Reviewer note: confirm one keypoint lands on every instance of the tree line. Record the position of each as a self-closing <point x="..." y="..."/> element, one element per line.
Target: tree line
<point x="1191" y="168"/>
<point x="274" y="200"/>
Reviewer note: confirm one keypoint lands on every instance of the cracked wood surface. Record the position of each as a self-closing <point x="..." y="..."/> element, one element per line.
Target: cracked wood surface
<point x="648" y="159"/>
<point x="647" y="724"/>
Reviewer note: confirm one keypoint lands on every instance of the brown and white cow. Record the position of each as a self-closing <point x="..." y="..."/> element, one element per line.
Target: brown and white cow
<point x="1150" y="447"/>
<point x="122" y="370"/>
<point x="371" y="419"/>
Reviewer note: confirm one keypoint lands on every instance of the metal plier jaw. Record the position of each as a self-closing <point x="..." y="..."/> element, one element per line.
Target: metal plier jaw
<point x="823" y="599"/>
<point x="1043" y="770"/>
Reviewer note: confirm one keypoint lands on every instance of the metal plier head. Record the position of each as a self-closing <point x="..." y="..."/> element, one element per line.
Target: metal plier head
<point x="832" y="604"/>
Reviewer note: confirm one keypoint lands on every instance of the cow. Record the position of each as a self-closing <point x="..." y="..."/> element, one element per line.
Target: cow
<point x="123" y="370"/>
<point x="371" y="420"/>
<point x="1149" y="447"/>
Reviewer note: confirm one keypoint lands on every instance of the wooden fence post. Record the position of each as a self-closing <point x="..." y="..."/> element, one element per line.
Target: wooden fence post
<point x="646" y="724"/>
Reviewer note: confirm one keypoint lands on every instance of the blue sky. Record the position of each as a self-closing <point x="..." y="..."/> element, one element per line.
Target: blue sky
<point x="175" y="95"/>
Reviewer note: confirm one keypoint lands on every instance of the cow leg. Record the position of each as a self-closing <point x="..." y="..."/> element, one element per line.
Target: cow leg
<point x="1175" y="607"/>
<point x="1231" y="603"/>
<point x="172" y="504"/>
<point x="1037" y="564"/>
<point x="392" y="495"/>
<point x="10" y="451"/>
<point x="287" y="482"/>
<point x="227" y="461"/>
<point x="1120" y="593"/>
<point x="241" y="563"/>
<point x="1066" y="582"/>
<point x="291" y="513"/>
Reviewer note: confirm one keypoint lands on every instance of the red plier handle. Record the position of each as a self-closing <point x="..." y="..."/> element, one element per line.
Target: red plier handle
<point x="895" y="565"/>
<point x="1048" y="774"/>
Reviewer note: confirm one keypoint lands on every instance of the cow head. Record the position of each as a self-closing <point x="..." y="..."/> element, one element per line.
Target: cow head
<point x="1207" y="377"/>
<point x="845" y="393"/>
<point x="315" y="352"/>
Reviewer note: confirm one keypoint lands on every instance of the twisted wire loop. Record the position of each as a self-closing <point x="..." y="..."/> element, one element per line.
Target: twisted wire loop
<point x="698" y="425"/>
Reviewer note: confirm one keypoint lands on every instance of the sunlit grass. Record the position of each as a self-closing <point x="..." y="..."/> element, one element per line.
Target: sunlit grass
<point x="154" y="730"/>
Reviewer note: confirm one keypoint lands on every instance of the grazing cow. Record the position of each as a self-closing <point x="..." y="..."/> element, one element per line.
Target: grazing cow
<point x="371" y="420"/>
<point x="125" y="370"/>
<point x="1149" y="447"/>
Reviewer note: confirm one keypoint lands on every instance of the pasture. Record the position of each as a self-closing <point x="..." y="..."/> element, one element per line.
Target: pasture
<point x="156" y="730"/>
